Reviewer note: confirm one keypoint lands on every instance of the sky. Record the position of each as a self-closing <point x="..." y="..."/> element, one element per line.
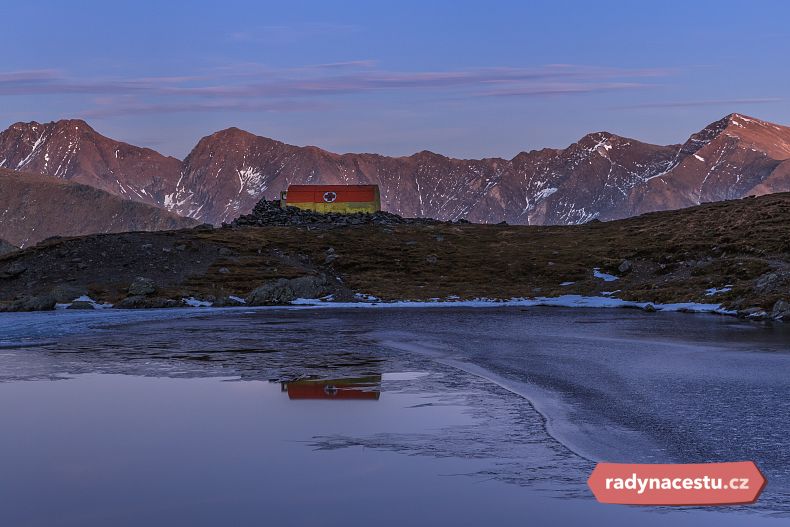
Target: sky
<point x="465" y="79"/>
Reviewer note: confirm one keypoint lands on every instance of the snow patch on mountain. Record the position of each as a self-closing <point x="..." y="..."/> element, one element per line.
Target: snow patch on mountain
<point x="251" y="181"/>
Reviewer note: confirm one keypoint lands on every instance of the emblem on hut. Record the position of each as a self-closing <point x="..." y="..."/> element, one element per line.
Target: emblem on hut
<point x="329" y="197"/>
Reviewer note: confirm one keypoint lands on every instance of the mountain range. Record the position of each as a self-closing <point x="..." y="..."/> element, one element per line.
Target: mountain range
<point x="602" y="176"/>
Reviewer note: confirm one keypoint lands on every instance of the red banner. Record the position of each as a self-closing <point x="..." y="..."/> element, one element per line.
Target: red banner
<point x="688" y="484"/>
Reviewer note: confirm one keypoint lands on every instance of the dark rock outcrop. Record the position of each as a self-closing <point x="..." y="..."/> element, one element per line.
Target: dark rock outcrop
<point x="271" y="213"/>
<point x="142" y="286"/>
<point x="781" y="310"/>
<point x="44" y="302"/>
<point x="64" y="293"/>
<point x="286" y="290"/>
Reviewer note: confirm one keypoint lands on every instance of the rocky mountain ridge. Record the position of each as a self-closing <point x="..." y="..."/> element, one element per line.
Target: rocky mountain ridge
<point x="602" y="176"/>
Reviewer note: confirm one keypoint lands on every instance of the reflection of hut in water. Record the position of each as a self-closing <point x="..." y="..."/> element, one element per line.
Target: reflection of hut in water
<point x="359" y="388"/>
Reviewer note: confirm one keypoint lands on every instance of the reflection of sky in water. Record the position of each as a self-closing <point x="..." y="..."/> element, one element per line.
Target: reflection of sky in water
<point x="351" y="432"/>
<point x="112" y="449"/>
<point x="122" y="450"/>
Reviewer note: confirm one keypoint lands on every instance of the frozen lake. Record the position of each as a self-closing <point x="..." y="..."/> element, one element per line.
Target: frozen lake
<point x="390" y="417"/>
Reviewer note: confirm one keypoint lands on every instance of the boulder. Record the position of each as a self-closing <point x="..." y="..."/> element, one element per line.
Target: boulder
<point x="774" y="282"/>
<point x="45" y="302"/>
<point x="781" y="310"/>
<point x="142" y="286"/>
<point x="272" y="293"/>
<point x="285" y="290"/>
<point x="65" y="293"/>
<point x="625" y="267"/>
<point x="753" y="313"/>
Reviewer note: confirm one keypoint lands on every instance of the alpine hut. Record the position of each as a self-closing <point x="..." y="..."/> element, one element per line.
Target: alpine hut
<point x="345" y="199"/>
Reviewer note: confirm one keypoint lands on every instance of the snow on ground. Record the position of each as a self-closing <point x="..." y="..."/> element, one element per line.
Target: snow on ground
<point x="604" y="276"/>
<point x="558" y="301"/>
<point x="369" y="298"/>
<point x="715" y="291"/>
<point x="194" y="302"/>
<point x="545" y="193"/>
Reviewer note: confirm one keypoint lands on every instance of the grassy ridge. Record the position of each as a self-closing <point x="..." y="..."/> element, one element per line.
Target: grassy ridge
<point x="673" y="256"/>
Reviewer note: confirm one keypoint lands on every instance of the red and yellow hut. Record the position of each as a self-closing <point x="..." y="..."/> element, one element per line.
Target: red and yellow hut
<point x="346" y="199"/>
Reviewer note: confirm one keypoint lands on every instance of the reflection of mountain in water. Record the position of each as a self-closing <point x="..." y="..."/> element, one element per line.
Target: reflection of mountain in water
<point x="359" y="388"/>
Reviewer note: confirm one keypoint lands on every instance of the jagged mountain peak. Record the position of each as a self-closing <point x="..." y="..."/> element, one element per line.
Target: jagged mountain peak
<point x="77" y="124"/>
<point x="603" y="140"/>
<point x="71" y="149"/>
<point x="598" y="136"/>
<point x="62" y="124"/>
<point x="427" y="155"/>
<point x="698" y="140"/>
<point x="602" y="175"/>
<point x="232" y="131"/>
<point x="235" y="132"/>
<point x="746" y="120"/>
<point x="747" y="132"/>
<point x="233" y="138"/>
<point x="733" y="157"/>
